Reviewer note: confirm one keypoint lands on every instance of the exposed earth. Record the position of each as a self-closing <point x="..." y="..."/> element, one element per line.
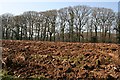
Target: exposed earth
<point x="61" y="60"/>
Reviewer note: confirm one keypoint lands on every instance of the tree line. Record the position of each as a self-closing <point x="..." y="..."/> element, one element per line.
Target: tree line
<point x="69" y="24"/>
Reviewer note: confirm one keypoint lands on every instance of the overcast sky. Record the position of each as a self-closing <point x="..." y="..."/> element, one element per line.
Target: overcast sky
<point x="19" y="6"/>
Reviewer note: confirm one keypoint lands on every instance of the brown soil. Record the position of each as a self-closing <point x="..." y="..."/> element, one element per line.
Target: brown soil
<point x="61" y="60"/>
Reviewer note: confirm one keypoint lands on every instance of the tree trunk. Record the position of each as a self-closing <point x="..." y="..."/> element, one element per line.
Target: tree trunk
<point x="91" y="34"/>
<point x="87" y="37"/>
<point x="25" y="32"/>
<point x="63" y="35"/>
<point x="44" y="35"/>
<point x="96" y="31"/>
<point x="50" y="36"/>
<point x="119" y="32"/>
<point x="54" y="30"/>
<point x="79" y="32"/>
<point x="21" y="34"/>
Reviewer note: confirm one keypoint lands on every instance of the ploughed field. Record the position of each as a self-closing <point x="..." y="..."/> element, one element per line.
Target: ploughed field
<point x="61" y="60"/>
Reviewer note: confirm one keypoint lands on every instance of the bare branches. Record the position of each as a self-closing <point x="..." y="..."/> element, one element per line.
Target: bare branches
<point x="78" y="23"/>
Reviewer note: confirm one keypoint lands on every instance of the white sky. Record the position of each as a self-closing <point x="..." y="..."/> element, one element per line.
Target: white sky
<point x="17" y="7"/>
<point x="59" y="0"/>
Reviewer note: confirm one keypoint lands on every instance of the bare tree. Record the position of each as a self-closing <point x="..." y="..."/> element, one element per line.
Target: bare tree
<point x="71" y="23"/>
<point x="62" y="14"/>
<point x="117" y="26"/>
<point x="52" y="23"/>
<point x="6" y="25"/>
<point x="82" y="15"/>
<point x="95" y="16"/>
<point x="105" y="17"/>
<point x="30" y="17"/>
<point x="65" y="24"/>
